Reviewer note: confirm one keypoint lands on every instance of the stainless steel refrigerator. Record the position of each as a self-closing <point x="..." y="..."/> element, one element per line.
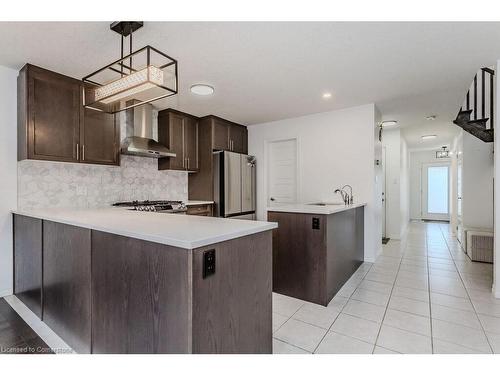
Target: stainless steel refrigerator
<point x="234" y="185"/>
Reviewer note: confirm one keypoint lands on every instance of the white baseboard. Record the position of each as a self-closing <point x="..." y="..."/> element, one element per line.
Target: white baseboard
<point x="41" y="329"/>
<point x="496" y="293"/>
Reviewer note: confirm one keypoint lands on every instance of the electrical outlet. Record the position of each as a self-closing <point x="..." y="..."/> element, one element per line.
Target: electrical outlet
<point x="208" y="263"/>
<point x="315" y="223"/>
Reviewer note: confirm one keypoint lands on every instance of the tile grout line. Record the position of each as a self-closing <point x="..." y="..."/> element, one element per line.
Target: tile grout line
<point x="348" y="299"/>
<point x="389" y="300"/>
<point x="342" y="309"/>
<point x="468" y="296"/>
<point x="429" y="290"/>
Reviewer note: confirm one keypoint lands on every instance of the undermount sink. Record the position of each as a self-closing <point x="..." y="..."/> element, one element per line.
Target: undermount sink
<point x="326" y="204"/>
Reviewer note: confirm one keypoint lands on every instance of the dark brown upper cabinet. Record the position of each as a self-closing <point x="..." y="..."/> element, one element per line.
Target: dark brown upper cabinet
<point x="229" y="136"/>
<point x="238" y="136"/>
<point x="100" y="138"/>
<point x="215" y="133"/>
<point x="179" y="132"/>
<point x="54" y="125"/>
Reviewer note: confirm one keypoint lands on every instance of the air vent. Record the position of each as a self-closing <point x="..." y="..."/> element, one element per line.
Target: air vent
<point x="480" y="246"/>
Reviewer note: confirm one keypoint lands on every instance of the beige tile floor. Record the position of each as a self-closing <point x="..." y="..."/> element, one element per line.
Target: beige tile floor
<point x="422" y="295"/>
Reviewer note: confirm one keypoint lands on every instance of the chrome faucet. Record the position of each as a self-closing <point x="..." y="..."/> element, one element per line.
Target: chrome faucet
<point x="343" y="194"/>
<point x="350" y="197"/>
<point x="346" y="197"/>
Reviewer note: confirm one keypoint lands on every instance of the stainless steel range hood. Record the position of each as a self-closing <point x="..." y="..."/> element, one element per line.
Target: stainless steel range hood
<point x="139" y="137"/>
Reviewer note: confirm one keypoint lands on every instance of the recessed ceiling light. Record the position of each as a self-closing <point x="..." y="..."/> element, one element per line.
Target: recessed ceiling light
<point x="327" y="95"/>
<point x="201" y="89"/>
<point x="431" y="118"/>
<point x="389" y="123"/>
<point x="428" y="136"/>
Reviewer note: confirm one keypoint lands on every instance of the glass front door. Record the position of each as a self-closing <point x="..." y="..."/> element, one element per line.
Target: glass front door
<point x="435" y="191"/>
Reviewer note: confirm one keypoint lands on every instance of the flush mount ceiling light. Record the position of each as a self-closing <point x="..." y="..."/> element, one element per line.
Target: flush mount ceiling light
<point x="443" y="153"/>
<point x="431" y="118"/>
<point x="385" y="124"/>
<point x="138" y="78"/>
<point x="429" y="136"/>
<point x="202" y="89"/>
<point x="327" y="95"/>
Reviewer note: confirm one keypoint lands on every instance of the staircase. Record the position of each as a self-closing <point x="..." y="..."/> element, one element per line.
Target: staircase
<point x="476" y="114"/>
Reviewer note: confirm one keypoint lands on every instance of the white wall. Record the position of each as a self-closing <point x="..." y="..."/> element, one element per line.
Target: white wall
<point x="335" y="148"/>
<point x="404" y="187"/>
<point x="8" y="173"/>
<point x="477" y="183"/>
<point x="391" y="141"/>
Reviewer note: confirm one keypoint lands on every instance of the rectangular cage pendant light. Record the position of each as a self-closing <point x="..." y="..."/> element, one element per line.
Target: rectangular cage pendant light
<point x="443" y="153"/>
<point x="141" y="77"/>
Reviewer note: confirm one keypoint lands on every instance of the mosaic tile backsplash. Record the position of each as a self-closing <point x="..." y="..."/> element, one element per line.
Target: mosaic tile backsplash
<point x="44" y="184"/>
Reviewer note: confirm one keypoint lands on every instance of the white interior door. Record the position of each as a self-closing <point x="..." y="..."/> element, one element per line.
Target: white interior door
<point x="435" y="202"/>
<point x="282" y="172"/>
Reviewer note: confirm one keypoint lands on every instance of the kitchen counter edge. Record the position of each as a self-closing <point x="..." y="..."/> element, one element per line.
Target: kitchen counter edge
<point x="304" y="208"/>
<point x="238" y="228"/>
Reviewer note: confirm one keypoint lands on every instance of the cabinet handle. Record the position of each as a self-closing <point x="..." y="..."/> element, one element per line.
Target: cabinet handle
<point x="188" y="163"/>
<point x="83" y="152"/>
<point x="77" y="151"/>
<point x="183" y="162"/>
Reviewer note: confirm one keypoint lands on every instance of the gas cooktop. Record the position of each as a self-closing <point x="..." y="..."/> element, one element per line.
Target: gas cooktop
<point x="154" y="206"/>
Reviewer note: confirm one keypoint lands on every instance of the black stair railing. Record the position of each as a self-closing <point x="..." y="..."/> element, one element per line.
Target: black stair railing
<point x="477" y="118"/>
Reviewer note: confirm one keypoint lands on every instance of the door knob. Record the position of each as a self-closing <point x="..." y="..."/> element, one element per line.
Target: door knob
<point x="272" y="199"/>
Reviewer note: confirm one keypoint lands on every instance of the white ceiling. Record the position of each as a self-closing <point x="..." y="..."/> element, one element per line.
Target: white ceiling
<point x="269" y="71"/>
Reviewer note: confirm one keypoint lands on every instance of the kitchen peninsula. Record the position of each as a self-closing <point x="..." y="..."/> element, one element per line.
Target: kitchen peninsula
<point x="120" y="281"/>
<point x="316" y="248"/>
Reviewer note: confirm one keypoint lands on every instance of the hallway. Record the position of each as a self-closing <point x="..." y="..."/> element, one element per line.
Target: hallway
<point x="422" y="295"/>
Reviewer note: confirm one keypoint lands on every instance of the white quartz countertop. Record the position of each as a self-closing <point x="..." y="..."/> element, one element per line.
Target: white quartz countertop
<point x="305" y="208"/>
<point x="185" y="231"/>
<point x="197" y="203"/>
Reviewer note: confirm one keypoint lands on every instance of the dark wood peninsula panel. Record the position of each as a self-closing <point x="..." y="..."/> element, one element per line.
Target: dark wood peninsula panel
<point x="241" y="320"/>
<point x="66" y="283"/>
<point x="141" y="299"/>
<point x="315" y="254"/>
<point x="28" y="262"/>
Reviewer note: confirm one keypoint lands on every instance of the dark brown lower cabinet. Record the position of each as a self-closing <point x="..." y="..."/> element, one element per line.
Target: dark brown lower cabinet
<point x="141" y="299"/>
<point x="28" y="262"/>
<point x="314" y="255"/>
<point x="66" y="283"/>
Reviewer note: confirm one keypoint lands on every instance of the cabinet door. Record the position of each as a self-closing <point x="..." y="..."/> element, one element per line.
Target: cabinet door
<point x="171" y="134"/>
<point x="66" y="283"/>
<point x="191" y="143"/>
<point x="141" y="296"/>
<point x="54" y="104"/>
<point x="28" y="262"/>
<point x="100" y="137"/>
<point x="220" y="135"/>
<point x="238" y="138"/>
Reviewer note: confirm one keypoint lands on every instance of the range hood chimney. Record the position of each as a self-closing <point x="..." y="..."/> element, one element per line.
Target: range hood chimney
<point x="139" y="134"/>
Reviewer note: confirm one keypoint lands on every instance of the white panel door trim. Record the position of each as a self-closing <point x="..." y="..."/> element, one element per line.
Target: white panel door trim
<point x="267" y="144"/>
